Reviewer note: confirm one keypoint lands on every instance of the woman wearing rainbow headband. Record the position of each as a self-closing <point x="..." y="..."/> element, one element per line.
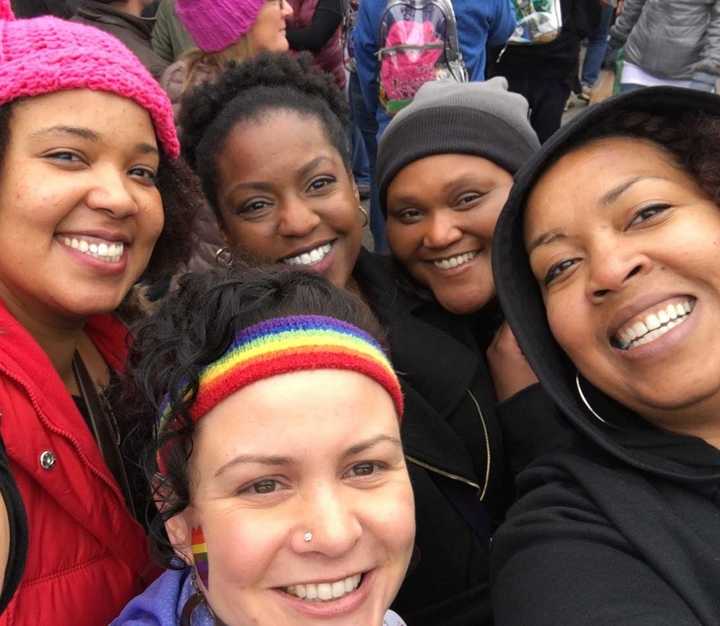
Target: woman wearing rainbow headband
<point x="280" y="477"/>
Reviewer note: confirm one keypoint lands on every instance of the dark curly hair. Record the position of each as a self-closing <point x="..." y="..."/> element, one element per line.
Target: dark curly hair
<point x="248" y="91"/>
<point x="181" y="197"/>
<point x="193" y="327"/>
<point x="692" y="138"/>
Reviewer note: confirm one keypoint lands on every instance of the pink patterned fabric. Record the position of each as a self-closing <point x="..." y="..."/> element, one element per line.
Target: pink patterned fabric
<point x="45" y="54"/>
<point x="216" y="24"/>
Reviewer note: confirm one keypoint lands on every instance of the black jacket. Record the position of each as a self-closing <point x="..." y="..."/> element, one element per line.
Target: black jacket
<point x="623" y="528"/>
<point x="454" y="446"/>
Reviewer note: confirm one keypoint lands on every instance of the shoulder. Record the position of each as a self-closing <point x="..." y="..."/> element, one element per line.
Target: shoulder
<point x="159" y="604"/>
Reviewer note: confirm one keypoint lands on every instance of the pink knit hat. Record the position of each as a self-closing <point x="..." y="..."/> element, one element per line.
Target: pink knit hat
<point x="215" y="24"/>
<point x="45" y="54"/>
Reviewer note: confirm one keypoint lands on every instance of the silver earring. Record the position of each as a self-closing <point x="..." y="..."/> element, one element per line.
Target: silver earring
<point x="224" y="257"/>
<point x="307" y="537"/>
<point x="587" y="404"/>
<point x="366" y="217"/>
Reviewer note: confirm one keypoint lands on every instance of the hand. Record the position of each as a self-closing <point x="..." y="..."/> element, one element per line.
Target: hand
<point x="509" y="367"/>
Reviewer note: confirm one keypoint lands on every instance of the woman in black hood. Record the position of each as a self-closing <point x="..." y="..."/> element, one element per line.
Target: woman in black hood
<point x="606" y="266"/>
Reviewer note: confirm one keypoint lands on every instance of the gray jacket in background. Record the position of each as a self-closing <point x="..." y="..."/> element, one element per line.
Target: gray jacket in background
<point x="674" y="39"/>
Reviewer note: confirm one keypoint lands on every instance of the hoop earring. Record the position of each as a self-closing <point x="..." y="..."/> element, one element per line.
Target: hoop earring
<point x="584" y="400"/>
<point x="366" y="217"/>
<point x="224" y="257"/>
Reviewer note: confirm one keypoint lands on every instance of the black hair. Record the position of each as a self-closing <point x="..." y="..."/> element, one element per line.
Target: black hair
<point x="193" y="327"/>
<point x="181" y="197"/>
<point x="249" y="91"/>
<point x="691" y="138"/>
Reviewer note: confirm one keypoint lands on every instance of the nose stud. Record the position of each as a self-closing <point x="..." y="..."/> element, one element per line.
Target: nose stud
<point x="307" y="537"/>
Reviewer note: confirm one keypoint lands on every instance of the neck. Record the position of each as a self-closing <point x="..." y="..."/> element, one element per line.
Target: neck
<point x="59" y="338"/>
<point x="701" y="421"/>
<point x="133" y="7"/>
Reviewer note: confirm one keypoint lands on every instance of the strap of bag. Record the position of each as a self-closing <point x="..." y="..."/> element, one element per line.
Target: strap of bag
<point x="105" y="429"/>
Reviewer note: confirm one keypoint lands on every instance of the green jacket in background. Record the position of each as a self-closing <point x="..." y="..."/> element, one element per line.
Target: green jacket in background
<point x="169" y="37"/>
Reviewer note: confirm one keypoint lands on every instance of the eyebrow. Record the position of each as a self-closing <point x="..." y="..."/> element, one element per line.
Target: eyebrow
<point x="275" y="461"/>
<point x="309" y="167"/>
<point x="605" y="200"/>
<point x="612" y="195"/>
<point x="88" y="135"/>
<point x="545" y="239"/>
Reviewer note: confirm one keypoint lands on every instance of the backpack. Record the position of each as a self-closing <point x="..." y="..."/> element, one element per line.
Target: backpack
<point x="538" y="21"/>
<point x="419" y="44"/>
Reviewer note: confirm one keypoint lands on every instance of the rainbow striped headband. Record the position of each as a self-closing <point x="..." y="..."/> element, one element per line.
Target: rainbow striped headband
<point x="289" y="344"/>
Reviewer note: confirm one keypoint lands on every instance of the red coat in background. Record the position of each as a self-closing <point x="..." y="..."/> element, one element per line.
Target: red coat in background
<point x="330" y="57"/>
<point x="87" y="556"/>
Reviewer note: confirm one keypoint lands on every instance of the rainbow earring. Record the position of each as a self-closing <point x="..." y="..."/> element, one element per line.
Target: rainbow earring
<point x="200" y="556"/>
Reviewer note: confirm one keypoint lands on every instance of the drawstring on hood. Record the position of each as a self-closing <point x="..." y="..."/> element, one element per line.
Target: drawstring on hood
<point x="629" y="438"/>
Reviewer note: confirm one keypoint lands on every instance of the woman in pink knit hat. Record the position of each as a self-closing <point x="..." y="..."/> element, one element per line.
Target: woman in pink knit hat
<point x="92" y="197"/>
<point x="225" y="31"/>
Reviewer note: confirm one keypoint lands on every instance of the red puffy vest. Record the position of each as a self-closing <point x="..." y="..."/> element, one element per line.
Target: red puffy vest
<point x="87" y="556"/>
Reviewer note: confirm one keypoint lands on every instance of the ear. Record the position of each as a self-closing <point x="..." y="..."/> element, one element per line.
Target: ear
<point x="356" y="191"/>
<point x="179" y="533"/>
<point x="177" y="527"/>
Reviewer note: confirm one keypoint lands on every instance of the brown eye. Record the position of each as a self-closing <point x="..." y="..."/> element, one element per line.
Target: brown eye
<point x="648" y="212"/>
<point x="558" y="269"/>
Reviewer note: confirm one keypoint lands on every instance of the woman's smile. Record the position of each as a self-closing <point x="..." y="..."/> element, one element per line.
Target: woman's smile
<point x="652" y="323"/>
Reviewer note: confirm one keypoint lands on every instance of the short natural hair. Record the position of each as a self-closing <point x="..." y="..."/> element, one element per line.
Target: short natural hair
<point x="248" y="92"/>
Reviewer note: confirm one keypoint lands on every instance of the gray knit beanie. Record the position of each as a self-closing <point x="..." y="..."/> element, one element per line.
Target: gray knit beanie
<point x="479" y="118"/>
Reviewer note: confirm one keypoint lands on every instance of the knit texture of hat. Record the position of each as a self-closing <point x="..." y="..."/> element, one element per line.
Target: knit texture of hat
<point x="479" y="118"/>
<point x="45" y="54"/>
<point x="216" y="24"/>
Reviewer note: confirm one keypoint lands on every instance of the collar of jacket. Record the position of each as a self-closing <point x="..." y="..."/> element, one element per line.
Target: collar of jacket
<point x="105" y="14"/>
<point x="436" y="370"/>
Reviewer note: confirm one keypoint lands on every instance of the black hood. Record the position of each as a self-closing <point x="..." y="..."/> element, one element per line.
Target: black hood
<point x="630" y="439"/>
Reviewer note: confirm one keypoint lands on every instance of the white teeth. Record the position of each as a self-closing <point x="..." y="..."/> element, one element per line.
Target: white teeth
<point x="110" y="252"/>
<point x="454" y="261"/>
<point x="338" y="589"/>
<point x="309" y="258"/>
<point x="652" y="322"/>
<point x="325" y="591"/>
<point x="654" y="325"/>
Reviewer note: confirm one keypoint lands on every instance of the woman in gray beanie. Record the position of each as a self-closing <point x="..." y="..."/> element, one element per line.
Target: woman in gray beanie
<point x="445" y="168"/>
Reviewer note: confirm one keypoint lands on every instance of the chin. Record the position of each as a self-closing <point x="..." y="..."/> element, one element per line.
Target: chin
<point x="463" y="304"/>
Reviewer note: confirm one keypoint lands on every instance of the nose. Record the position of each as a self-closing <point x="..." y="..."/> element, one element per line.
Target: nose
<point x="330" y="524"/>
<point x="442" y="230"/>
<point x="287" y="10"/>
<point x="297" y="219"/>
<point x="110" y="194"/>
<point x="611" y="270"/>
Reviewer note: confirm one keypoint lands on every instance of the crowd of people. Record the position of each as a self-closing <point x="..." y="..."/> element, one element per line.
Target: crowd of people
<point x="328" y="319"/>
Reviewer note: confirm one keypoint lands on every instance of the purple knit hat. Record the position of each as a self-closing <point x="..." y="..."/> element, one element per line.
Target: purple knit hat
<point x="215" y="24"/>
<point x="42" y="55"/>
